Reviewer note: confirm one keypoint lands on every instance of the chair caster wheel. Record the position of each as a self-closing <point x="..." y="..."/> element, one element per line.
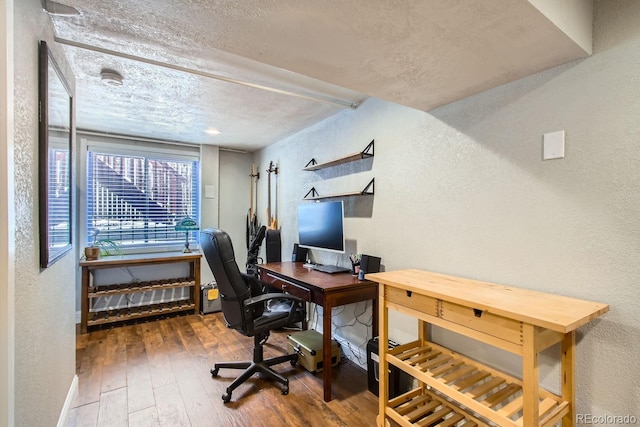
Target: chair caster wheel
<point x="285" y="391"/>
<point x="214" y="372"/>
<point x="293" y="363"/>
<point x="226" y="397"/>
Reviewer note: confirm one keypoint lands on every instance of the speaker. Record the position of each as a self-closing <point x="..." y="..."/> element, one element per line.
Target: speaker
<point x="273" y="246"/>
<point x="369" y="264"/>
<point x="299" y="254"/>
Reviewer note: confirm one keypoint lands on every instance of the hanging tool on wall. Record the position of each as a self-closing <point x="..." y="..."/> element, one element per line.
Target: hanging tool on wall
<point x="252" y="218"/>
<point x="276" y="223"/>
<point x="272" y="221"/>
<point x="273" y="243"/>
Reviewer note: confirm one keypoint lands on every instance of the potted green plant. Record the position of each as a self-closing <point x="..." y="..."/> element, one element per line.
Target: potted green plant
<point x="100" y="247"/>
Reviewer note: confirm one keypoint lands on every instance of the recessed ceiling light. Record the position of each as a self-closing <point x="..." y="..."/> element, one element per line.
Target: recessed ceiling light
<point x="59" y="9"/>
<point x="213" y="131"/>
<point x="111" y="77"/>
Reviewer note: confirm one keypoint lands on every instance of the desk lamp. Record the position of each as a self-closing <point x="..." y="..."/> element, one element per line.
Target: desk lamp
<point x="187" y="224"/>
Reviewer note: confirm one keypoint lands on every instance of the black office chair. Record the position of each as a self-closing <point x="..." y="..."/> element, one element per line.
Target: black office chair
<point x="244" y="309"/>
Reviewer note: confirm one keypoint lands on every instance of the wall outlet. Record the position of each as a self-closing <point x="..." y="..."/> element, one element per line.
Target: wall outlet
<point x="209" y="191"/>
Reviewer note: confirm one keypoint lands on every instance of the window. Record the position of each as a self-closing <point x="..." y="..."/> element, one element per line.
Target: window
<point x="59" y="214"/>
<point x="135" y="198"/>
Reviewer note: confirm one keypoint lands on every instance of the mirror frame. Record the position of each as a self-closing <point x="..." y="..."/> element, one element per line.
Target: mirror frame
<point x="50" y="251"/>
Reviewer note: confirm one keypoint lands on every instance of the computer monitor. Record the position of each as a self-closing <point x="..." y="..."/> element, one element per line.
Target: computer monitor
<point x="321" y="226"/>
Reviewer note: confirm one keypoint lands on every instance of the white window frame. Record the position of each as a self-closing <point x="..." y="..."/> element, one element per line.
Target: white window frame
<point x="134" y="146"/>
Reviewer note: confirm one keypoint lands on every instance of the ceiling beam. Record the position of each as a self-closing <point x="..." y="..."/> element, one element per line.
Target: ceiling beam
<point x="317" y="98"/>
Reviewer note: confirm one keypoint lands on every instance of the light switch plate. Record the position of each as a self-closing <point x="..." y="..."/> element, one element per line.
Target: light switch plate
<point x="553" y="145"/>
<point x="209" y="191"/>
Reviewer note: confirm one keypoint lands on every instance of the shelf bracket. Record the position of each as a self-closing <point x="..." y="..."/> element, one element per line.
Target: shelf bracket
<point x="311" y="162"/>
<point x="313" y="193"/>
<point x="368" y="150"/>
<point x="370" y="188"/>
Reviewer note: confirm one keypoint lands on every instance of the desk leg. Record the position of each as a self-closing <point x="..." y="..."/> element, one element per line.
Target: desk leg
<point x="375" y="327"/>
<point x="568" y="377"/>
<point x="326" y="350"/>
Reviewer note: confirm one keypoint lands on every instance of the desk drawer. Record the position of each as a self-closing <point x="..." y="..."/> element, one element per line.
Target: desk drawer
<point x="412" y="300"/>
<point x="286" y="286"/>
<point x="478" y="320"/>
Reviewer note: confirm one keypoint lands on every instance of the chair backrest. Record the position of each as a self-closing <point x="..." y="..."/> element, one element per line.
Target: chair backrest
<point x="218" y="251"/>
<point x="252" y="252"/>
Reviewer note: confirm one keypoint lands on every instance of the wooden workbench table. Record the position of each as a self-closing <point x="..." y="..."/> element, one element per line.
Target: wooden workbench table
<point x="521" y="321"/>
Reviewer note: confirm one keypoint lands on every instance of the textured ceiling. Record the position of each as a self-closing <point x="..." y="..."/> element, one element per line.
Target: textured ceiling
<point x="420" y="53"/>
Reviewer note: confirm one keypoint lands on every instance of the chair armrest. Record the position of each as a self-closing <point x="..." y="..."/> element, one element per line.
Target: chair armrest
<point x="296" y="312"/>
<point x="265" y="297"/>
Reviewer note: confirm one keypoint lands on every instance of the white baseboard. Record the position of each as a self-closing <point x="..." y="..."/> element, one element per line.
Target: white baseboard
<point x="71" y="395"/>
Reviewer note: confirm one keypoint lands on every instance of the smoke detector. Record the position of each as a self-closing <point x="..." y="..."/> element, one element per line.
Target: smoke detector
<point x="111" y="77"/>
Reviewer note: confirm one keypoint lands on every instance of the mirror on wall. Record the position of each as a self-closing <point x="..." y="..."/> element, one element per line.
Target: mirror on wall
<point x="55" y="156"/>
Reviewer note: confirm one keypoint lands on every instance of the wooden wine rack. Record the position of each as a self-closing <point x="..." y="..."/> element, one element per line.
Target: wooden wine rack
<point x="455" y="390"/>
<point x="486" y="391"/>
<point x="127" y="288"/>
<point x="420" y="407"/>
<point x="101" y="317"/>
<point x="90" y="316"/>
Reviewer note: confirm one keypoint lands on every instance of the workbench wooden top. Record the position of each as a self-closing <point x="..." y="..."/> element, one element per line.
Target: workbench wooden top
<point x="555" y="312"/>
<point x="147" y="258"/>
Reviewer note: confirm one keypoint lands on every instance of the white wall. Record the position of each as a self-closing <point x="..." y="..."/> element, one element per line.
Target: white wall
<point x="7" y="220"/>
<point x="44" y="300"/>
<point x="346" y="133"/>
<point x="234" y="202"/>
<point x="463" y="190"/>
<point x="209" y="176"/>
<point x="209" y="209"/>
<point x="573" y="17"/>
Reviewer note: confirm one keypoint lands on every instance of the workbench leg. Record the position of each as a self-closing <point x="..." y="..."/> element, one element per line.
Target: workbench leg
<point x="195" y="289"/>
<point x="424" y="338"/>
<point x="530" y="377"/>
<point x="84" y="300"/>
<point x="568" y="377"/>
<point x="383" y="339"/>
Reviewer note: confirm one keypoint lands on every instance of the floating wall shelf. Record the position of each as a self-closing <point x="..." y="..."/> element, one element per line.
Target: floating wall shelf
<point x="313" y="165"/>
<point x="367" y="191"/>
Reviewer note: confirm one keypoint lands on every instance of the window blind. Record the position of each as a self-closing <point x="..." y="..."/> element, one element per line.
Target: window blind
<point x="136" y="198"/>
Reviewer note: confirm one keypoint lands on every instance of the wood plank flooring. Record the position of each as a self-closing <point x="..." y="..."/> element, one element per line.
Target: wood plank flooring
<point x="157" y="374"/>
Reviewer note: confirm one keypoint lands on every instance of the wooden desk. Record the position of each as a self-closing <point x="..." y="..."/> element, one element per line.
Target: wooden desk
<point x="326" y="290"/>
<point x="89" y="317"/>
<point x="521" y="321"/>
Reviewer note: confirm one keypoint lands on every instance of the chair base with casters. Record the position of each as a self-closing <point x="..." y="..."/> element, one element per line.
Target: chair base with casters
<point x="257" y="365"/>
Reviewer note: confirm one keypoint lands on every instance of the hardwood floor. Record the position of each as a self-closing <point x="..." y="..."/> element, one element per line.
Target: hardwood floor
<point x="157" y="374"/>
